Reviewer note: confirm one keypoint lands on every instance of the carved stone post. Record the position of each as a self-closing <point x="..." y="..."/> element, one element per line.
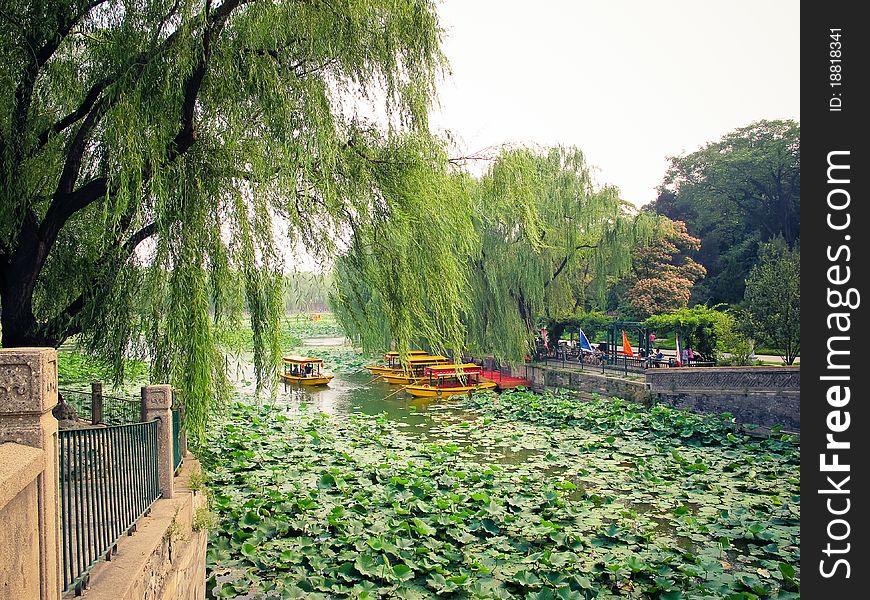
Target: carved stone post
<point x="157" y="404"/>
<point x="182" y="435"/>
<point x="96" y="402"/>
<point x="28" y="392"/>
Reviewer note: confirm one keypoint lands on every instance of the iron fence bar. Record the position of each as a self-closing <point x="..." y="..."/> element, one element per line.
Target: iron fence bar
<point x="152" y="460"/>
<point x="65" y="504"/>
<point x="80" y="513"/>
<point x="89" y="495"/>
<point x="107" y="482"/>
<point x="140" y="481"/>
<point x="112" y="481"/>
<point x="101" y="496"/>
<point x="90" y="457"/>
<point x="130" y="481"/>
<point x="126" y="475"/>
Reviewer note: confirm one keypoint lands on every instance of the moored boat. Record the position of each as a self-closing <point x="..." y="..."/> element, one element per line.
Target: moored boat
<point x="443" y="381"/>
<point x="415" y="369"/>
<point x="504" y="382"/>
<point x="392" y="362"/>
<point x="304" y="370"/>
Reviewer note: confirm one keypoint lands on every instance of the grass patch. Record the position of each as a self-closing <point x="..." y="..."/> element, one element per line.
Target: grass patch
<point x="77" y="371"/>
<point x="292" y="331"/>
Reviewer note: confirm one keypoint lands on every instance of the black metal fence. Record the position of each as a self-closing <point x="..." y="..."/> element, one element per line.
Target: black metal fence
<point x="108" y="479"/>
<point x="583" y="360"/>
<point x="100" y="409"/>
<point x="594" y="361"/>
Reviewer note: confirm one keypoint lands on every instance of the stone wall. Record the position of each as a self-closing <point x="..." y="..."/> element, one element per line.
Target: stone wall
<point x="20" y="466"/>
<point x="29" y="517"/>
<point x="165" y="558"/>
<point x="764" y="396"/>
<point x="584" y="383"/>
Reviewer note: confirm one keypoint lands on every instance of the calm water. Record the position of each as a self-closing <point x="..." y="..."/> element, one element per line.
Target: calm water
<point x="346" y="394"/>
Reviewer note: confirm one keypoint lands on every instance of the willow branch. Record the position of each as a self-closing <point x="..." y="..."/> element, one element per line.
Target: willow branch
<point x="66" y="320"/>
<point x="83" y="109"/>
<point x="564" y="262"/>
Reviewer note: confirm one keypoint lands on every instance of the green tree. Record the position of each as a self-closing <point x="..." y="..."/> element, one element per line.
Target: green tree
<point x="306" y="291"/>
<point x="707" y="330"/>
<point x="548" y="240"/>
<point x="773" y="298"/>
<point x="532" y="240"/>
<point x="662" y="274"/>
<point x="592" y="323"/>
<point x="734" y="194"/>
<point x="150" y="148"/>
<point x="404" y="279"/>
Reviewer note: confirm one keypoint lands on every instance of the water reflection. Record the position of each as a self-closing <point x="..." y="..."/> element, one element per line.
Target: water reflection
<point x="429" y="420"/>
<point x="346" y="394"/>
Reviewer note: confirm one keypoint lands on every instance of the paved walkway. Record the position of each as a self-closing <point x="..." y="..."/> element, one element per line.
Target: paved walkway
<point x="768" y="358"/>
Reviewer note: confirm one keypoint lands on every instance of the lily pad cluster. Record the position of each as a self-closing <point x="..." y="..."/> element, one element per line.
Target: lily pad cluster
<point x="337" y="359"/>
<point x="301" y="326"/>
<point x="512" y="496"/>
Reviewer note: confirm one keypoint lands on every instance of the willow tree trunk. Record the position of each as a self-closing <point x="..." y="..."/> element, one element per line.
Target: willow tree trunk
<point x="19" y="325"/>
<point x="19" y="272"/>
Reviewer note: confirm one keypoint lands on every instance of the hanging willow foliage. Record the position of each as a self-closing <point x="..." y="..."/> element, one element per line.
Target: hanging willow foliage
<point x="155" y="155"/>
<point x="547" y="233"/>
<point x="530" y="237"/>
<point x="404" y="277"/>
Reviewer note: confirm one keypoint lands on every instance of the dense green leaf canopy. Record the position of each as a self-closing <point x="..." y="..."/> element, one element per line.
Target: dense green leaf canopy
<point x="531" y="239"/>
<point x="152" y="153"/>
<point x="734" y="194"/>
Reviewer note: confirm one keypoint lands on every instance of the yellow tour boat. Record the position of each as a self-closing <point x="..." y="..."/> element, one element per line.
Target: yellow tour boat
<point x="393" y="362"/>
<point x="415" y="371"/>
<point x="304" y="370"/>
<point x="443" y="381"/>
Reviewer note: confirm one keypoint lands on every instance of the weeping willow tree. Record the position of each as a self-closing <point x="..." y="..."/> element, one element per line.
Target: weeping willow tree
<point x="549" y="239"/>
<point x="405" y="279"/>
<point x="531" y="238"/>
<point x="153" y="152"/>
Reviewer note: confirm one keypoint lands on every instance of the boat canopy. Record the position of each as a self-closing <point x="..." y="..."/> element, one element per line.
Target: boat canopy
<point x="426" y="359"/>
<point x="301" y="360"/>
<point x="393" y="353"/>
<point x="453" y="370"/>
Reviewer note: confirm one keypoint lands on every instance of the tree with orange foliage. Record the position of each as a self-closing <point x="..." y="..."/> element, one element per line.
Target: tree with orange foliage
<point x="662" y="273"/>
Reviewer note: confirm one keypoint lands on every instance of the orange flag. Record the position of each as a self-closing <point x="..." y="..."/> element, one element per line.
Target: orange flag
<point x="626" y="347"/>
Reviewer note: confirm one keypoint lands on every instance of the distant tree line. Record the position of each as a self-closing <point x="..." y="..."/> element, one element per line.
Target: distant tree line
<point x="735" y="195"/>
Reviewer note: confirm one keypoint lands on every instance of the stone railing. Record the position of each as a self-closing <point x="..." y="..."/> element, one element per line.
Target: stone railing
<point x="29" y="538"/>
<point x="31" y="556"/>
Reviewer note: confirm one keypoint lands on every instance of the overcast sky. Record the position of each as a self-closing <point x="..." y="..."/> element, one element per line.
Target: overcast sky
<point x="629" y="82"/>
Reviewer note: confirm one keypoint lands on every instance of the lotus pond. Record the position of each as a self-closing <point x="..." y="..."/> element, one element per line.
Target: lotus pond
<point x="347" y="492"/>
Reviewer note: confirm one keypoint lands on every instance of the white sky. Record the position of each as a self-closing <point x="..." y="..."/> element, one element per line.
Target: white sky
<point x="629" y="82"/>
